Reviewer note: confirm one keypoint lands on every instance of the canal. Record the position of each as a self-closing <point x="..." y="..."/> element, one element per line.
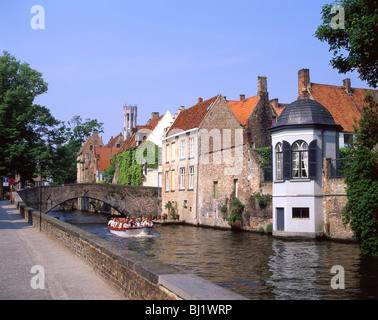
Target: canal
<point x="256" y="266"/>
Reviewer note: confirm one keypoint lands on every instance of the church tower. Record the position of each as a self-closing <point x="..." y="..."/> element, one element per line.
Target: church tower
<point x="129" y="120"/>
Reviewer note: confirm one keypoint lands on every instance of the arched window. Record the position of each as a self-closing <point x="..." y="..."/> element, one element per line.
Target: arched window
<point x="279" y="161"/>
<point x="299" y="159"/>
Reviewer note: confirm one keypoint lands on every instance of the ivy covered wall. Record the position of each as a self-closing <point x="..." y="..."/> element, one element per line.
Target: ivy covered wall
<point x="129" y="163"/>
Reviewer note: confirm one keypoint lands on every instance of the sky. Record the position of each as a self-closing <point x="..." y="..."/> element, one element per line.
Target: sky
<point x="97" y="56"/>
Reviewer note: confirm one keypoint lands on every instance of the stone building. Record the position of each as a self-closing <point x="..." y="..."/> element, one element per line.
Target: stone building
<point x="153" y="131"/>
<point x="305" y="133"/>
<point x="85" y="159"/>
<point x="206" y="162"/>
<point x="101" y="158"/>
<point x="344" y="102"/>
<point x="256" y="114"/>
<point x="129" y="120"/>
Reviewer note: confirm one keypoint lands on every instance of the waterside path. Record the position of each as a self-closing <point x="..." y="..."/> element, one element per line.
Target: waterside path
<point x="66" y="276"/>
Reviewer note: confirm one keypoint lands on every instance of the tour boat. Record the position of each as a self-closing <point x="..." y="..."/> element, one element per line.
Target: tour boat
<point x="130" y="231"/>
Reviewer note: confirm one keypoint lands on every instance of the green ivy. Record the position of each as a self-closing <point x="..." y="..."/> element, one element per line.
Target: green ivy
<point x="130" y="161"/>
<point x="266" y="154"/>
<point x="361" y="210"/>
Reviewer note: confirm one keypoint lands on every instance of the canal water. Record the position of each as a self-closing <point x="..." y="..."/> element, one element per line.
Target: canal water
<point x="256" y="266"/>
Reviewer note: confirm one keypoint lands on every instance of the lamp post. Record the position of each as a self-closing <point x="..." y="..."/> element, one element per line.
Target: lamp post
<point x="40" y="162"/>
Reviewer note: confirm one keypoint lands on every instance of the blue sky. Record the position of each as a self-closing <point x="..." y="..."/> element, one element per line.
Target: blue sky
<point x="97" y="56"/>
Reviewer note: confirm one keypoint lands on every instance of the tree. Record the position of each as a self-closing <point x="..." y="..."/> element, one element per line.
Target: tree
<point x="64" y="160"/>
<point x="361" y="211"/>
<point x="356" y="37"/>
<point x="28" y="132"/>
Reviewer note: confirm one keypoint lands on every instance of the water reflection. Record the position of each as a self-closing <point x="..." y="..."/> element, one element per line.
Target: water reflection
<point x="258" y="267"/>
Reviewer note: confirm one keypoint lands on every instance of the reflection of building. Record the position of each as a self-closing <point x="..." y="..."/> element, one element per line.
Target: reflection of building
<point x="129" y="120"/>
<point x="294" y="271"/>
<point x="305" y="133"/>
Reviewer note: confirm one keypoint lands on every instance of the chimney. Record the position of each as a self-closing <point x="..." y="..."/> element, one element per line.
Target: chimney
<point x="200" y="100"/>
<point x="242" y="97"/>
<point x="303" y="83"/>
<point x="154" y="115"/>
<point x="182" y="108"/>
<point x="274" y="102"/>
<point x="262" y="85"/>
<point x="347" y="86"/>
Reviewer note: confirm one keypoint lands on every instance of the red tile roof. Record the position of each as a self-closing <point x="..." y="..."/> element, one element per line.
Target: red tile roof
<point x="129" y="143"/>
<point x="113" y="140"/>
<point x="243" y="109"/>
<point x="103" y="156"/>
<point x="154" y="122"/>
<point x="343" y="107"/>
<point x="192" y="117"/>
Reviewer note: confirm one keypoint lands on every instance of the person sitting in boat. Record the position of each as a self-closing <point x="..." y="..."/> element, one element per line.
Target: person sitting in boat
<point x="149" y="223"/>
<point x="126" y="223"/>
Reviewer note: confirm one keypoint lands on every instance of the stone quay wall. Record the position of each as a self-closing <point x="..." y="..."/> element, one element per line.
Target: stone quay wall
<point x="135" y="276"/>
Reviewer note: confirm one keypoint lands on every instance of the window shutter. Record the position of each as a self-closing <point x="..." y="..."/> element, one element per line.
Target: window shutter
<point x="312" y="158"/>
<point x="286" y="157"/>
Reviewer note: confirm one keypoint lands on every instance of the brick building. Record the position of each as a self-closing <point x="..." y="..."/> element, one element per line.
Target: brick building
<point x="206" y="162"/>
<point x="256" y="115"/>
<point x="86" y="161"/>
<point x="344" y="102"/>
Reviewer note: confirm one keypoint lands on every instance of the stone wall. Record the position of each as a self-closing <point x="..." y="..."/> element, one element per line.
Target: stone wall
<point x="259" y="123"/>
<point x="129" y="200"/>
<point x="334" y="200"/>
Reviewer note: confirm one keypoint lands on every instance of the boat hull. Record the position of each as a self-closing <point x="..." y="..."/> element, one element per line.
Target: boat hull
<point x="134" y="231"/>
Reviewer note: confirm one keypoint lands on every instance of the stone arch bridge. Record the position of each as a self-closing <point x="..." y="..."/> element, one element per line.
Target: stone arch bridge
<point x="128" y="200"/>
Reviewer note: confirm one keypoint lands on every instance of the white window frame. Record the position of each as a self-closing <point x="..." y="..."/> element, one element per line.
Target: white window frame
<point x="191" y="147"/>
<point x="191" y="177"/>
<point x="183" y="149"/>
<point x="182" y="178"/>
<point x="166" y="180"/>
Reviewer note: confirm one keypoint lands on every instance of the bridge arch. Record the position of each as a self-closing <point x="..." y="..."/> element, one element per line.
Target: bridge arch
<point x="128" y="200"/>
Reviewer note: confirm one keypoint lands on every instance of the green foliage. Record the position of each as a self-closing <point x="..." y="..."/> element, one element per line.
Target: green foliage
<point x="130" y="161"/>
<point x="262" y="199"/>
<point x="149" y="152"/>
<point x="223" y="208"/>
<point x="172" y="210"/>
<point x="63" y="169"/>
<point x="361" y="211"/>
<point x="235" y="219"/>
<point x="356" y="40"/>
<point x="266" y="154"/>
<point x="345" y="152"/>
<point x="28" y="132"/>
